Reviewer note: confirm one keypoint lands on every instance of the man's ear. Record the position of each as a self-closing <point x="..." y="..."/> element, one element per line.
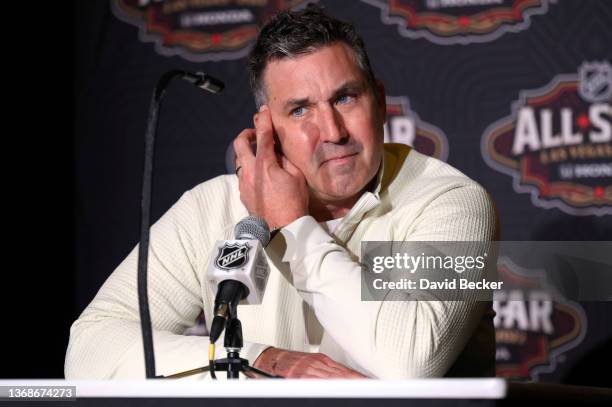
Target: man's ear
<point x="381" y="99"/>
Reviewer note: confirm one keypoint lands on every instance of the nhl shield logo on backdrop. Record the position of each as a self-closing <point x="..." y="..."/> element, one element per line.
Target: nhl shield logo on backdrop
<point x="405" y="127"/>
<point x="532" y="332"/>
<point x="232" y="256"/>
<point x="557" y="143"/>
<point x="449" y="22"/>
<point x="200" y="30"/>
<point x="595" y="79"/>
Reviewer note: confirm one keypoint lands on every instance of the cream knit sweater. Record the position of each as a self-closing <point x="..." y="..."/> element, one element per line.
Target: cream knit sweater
<point x="313" y="292"/>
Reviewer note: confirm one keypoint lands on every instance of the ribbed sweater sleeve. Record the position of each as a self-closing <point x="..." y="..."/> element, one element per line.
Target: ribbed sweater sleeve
<point x="392" y="339"/>
<point x="105" y="341"/>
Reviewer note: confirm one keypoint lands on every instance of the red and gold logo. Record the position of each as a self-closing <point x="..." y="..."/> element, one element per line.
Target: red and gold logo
<point x="531" y="330"/>
<point x="557" y="143"/>
<point x="459" y="21"/>
<point x="200" y="30"/>
<point x="404" y="126"/>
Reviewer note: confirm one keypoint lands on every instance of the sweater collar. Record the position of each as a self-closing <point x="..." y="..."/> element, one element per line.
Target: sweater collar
<point x="391" y="162"/>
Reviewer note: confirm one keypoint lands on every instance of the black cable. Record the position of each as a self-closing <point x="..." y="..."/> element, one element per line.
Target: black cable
<point x="211" y="365"/>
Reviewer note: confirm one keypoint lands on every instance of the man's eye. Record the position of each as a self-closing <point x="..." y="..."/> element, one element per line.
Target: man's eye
<point x="298" y="112"/>
<point x="344" y="99"/>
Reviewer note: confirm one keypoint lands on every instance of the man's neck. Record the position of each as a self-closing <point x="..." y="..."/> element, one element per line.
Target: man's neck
<point x="324" y="210"/>
<point x="327" y="210"/>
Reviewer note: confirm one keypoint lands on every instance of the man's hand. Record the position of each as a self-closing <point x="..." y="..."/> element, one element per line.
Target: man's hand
<point x="300" y="365"/>
<point x="271" y="187"/>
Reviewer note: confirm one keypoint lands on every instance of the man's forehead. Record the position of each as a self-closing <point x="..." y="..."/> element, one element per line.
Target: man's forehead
<point x="330" y="67"/>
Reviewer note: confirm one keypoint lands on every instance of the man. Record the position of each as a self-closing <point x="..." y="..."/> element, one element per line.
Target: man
<point x="321" y="174"/>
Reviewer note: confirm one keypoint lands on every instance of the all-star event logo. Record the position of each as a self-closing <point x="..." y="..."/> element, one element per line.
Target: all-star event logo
<point x="232" y="256"/>
<point x="200" y="30"/>
<point x="459" y="21"/>
<point x="532" y="331"/>
<point x="557" y="143"/>
<point x="404" y="126"/>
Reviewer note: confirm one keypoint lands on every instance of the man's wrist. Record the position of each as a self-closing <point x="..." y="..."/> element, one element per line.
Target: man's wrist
<point x="266" y="360"/>
<point x="302" y="236"/>
<point x="277" y="227"/>
<point x="286" y="222"/>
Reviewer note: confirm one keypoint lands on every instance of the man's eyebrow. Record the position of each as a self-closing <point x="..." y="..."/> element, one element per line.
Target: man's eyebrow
<point x="354" y="86"/>
<point x="291" y="103"/>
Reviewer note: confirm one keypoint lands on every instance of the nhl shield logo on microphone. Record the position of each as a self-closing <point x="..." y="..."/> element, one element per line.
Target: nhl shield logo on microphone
<point x="232" y="256"/>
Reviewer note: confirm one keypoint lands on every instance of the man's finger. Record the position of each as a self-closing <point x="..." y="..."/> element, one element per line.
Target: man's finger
<point x="316" y="373"/>
<point x="264" y="131"/>
<point x="242" y="145"/>
<point x="343" y="371"/>
<point x="289" y="167"/>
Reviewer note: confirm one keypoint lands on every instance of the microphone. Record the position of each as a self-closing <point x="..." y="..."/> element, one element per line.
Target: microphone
<point x="204" y="81"/>
<point x="240" y="269"/>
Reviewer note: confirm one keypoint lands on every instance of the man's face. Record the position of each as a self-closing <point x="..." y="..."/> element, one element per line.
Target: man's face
<point x="328" y="120"/>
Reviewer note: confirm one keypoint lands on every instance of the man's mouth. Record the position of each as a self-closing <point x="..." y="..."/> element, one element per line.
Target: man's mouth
<point x="340" y="159"/>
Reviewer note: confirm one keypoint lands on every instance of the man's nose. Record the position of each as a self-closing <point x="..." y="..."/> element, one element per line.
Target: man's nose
<point x="331" y="126"/>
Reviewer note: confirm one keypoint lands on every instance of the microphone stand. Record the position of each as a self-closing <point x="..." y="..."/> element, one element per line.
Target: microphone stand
<point x="204" y="82"/>
<point x="233" y="343"/>
<point x="233" y="364"/>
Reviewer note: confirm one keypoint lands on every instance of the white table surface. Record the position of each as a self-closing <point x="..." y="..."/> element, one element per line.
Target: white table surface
<point x="492" y="388"/>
